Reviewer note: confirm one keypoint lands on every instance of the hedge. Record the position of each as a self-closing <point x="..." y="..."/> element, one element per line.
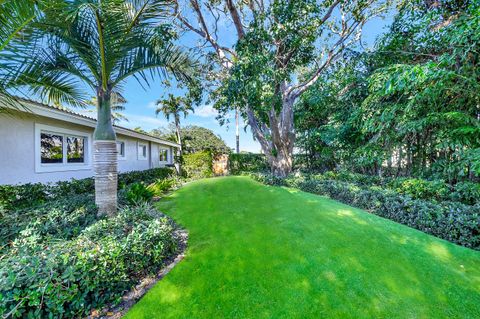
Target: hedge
<point x="198" y="165"/>
<point x="464" y="192"/>
<point x="452" y="221"/>
<point x="30" y="195"/>
<point x="238" y="163"/>
<point x="43" y="277"/>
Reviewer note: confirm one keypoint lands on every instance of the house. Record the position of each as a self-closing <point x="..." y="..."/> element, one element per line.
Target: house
<point x="43" y="143"/>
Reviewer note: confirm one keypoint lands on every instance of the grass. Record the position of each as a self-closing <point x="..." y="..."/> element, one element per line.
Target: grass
<point x="267" y="252"/>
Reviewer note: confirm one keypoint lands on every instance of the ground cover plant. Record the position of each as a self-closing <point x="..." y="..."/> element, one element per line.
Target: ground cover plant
<point x="258" y="251"/>
<point x="58" y="258"/>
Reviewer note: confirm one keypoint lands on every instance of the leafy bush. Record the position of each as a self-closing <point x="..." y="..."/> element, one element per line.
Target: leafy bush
<point x="31" y="195"/>
<point x="198" y="165"/>
<point x="452" y="221"/>
<point x="436" y="190"/>
<point x="466" y="192"/>
<point x="137" y="193"/>
<point x="247" y="163"/>
<point x="147" y="176"/>
<point x="51" y="278"/>
<point x="23" y="195"/>
<point x="62" y="219"/>
<point x="421" y="189"/>
<point x="161" y="186"/>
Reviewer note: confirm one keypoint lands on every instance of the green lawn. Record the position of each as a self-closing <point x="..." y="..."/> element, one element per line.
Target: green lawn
<point x="267" y="252"/>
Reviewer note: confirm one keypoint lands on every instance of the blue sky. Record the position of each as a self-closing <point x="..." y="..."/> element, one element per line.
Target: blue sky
<point x="140" y="107"/>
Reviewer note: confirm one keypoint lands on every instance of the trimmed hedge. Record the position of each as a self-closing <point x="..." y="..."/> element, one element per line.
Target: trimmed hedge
<point x="436" y="190"/>
<point x="198" y="165"/>
<point x="30" y="195"/>
<point x="238" y="163"/>
<point x="452" y="221"/>
<point x="464" y="192"/>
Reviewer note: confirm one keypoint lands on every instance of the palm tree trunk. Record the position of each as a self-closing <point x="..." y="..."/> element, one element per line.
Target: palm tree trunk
<point x="105" y="160"/>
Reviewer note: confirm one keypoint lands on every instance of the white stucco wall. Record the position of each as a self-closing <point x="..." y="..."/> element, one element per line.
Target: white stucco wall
<point x="17" y="151"/>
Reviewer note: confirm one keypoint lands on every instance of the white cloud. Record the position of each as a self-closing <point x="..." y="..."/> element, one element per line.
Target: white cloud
<point x="145" y="122"/>
<point x="205" y="111"/>
<point x="152" y="105"/>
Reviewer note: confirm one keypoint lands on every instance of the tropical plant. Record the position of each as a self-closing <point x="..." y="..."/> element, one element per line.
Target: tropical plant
<point x="101" y="44"/>
<point x="175" y="106"/>
<point x="118" y="106"/>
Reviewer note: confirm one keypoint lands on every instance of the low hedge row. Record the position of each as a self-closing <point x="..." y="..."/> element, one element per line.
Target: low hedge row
<point x="30" y="195"/>
<point x="48" y="277"/>
<point x="464" y="192"/>
<point x="452" y="221"/>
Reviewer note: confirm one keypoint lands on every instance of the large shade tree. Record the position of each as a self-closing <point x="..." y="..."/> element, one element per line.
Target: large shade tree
<point x="101" y="44"/>
<point x="280" y="50"/>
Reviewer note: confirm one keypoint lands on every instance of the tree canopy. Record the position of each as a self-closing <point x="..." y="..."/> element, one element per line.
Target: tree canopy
<point x="194" y="139"/>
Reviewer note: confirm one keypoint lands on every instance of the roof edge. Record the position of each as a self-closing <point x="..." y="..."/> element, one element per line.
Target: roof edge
<point x="59" y="113"/>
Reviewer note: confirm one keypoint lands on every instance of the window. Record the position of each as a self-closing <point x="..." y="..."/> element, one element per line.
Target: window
<point x="142" y="151"/>
<point x="58" y="149"/>
<point x="121" y="149"/>
<point x="163" y="155"/>
<point x="51" y="148"/>
<point x="75" y="149"/>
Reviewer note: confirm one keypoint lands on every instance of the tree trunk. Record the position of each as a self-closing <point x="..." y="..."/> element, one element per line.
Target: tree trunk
<point x="105" y="159"/>
<point x="277" y="139"/>
<point x="282" y="164"/>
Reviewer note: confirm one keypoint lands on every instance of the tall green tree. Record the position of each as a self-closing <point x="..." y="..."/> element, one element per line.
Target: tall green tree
<point x="409" y="107"/>
<point x="281" y="49"/>
<point x="194" y="139"/>
<point x="101" y="44"/>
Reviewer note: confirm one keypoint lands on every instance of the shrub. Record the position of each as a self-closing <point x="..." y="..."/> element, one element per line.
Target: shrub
<point x="420" y="189"/>
<point x="23" y="195"/>
<point x="32" y="195"/>
<point x="466" y="192"/>
<point x="137" y="193"/>
<point x="70" y="278"/>
<point x="452" y="221"/>
<point x="147" y="176"/>
<point x="198" y="165"/>
<point x="161" y="186"/>
<point x="62" y="219"/>
<point x="238" y="163"/>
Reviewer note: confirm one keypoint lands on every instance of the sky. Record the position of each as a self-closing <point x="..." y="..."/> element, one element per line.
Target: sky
<point x="140" y="106"/>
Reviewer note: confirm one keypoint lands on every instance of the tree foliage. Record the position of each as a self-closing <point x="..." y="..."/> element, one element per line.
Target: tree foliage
<point x="409" y="107"/>
<point x="195" y="139"/>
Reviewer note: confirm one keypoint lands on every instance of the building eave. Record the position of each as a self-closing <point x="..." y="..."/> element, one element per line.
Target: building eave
<point x="40" y="109"/>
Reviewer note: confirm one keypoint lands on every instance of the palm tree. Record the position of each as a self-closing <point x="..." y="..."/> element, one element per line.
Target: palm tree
<point x="118" y="106"/>
<point x="101" y="44"/>
<point x="175" y="106"/>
